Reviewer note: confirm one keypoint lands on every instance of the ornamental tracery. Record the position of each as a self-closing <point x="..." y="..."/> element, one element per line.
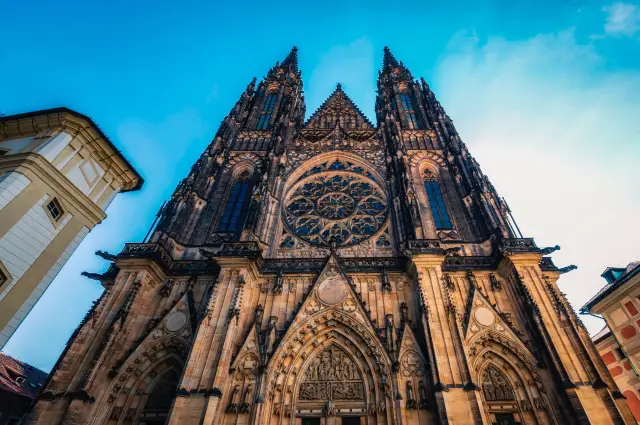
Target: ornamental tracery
<point x="332" y="375"/>
<point x="335" y="202"/>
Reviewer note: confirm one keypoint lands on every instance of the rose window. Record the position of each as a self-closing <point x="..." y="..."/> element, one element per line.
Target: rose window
<point x="335" y="207"/>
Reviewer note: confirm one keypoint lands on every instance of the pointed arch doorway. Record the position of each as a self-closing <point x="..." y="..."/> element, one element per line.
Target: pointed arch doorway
<point x="159" y="400"/>
<point x="332" y="387"/>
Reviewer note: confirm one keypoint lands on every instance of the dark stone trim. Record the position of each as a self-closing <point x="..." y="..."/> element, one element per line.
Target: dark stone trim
<point x="159" y="254"/>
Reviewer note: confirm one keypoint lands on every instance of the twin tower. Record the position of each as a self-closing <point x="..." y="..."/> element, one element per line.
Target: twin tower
<point x="332" y="271"/>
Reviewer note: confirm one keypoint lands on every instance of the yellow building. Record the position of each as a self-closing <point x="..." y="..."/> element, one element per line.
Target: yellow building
<point x="58" y="174"/>
<point x="619" y="342"/>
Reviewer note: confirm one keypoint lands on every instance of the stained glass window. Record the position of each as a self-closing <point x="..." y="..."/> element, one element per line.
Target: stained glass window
<point x="233" y="209"/>
<point x="333" y="204"/>
<point x="408" y="110"/>
<point x="436" y="202"/>
<point x="265" y="116"/>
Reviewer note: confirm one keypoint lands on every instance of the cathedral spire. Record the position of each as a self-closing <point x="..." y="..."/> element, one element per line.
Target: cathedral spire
<point x="390" y="65"/>
<point x="389" y="60"/>
<point x="291" y="60"/>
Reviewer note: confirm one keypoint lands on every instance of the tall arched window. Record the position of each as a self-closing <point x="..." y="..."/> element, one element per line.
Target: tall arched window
<point x="409" y="112"/>
<point x="235" y="207"/>
<point x="267" y="110"/>
<point x="436" y="201"/>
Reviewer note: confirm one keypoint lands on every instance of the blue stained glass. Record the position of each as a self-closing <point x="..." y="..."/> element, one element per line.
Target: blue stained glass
<point x="438" y="207"/>
<point x="312" y="190"/>
<point x="335" y="234"/>
<point x="364" y="225"/>
<point x="232" y="210"/>
<point x="300" y="206"/>
<point x="408" y="110"/>
<point x="406" y="102"/>
<point x="263" y="121"/>
<point x="270" y="102"/>
<point x="383" y="241"/>
<point x="337" y="165"/>
<point x="287" y="242"/>
<point x="371" y="205"/>
<point x="308" y="226"/>
<point x="336" y="208"/>
<point x="359" y="189"/>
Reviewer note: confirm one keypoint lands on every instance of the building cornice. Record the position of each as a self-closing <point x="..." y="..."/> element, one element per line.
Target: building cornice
<point x="610" y="292"/>
<point x="31" y="123"/>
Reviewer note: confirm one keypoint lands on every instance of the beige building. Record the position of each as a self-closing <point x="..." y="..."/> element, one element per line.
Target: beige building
<point x="619" y="342"/>
<point x="58" y="174"/>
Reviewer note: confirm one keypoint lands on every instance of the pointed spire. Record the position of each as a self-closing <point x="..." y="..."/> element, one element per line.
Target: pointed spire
<point x="388" y="59"/>
<point x="337" y="95"/>
<point x="390" y="64"/>
<point x="291" y="60"/>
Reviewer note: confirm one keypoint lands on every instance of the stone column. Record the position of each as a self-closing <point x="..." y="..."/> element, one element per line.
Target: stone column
<point x="455" y="403"/>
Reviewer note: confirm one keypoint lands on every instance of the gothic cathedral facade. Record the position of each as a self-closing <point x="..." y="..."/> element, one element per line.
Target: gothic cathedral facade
<point x="332" y="271"/>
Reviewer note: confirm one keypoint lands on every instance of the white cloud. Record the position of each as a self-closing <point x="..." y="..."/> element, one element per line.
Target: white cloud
<point x="559" y="138"/>
<point x="623" y="19"/>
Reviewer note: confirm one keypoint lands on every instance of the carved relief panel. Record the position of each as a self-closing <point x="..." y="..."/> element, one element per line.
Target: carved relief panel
<point x="332" y="375"/>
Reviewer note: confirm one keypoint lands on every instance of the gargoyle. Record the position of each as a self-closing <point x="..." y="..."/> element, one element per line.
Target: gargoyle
<point x="567" y="269"/>
<point x="548" y="250"/>
<point x="106" y="255"/>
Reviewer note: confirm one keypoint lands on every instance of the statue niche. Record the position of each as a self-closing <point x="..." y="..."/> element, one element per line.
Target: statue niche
<point x="332" y="375"/>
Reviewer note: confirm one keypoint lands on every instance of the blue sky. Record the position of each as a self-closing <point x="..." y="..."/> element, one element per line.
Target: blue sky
<point x="545" y="94"/>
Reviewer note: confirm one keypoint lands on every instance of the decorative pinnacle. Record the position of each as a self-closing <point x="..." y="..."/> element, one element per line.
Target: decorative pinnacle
<point x="338" y="87"/>
<point x="388" y="59"/>
<point x="291" y="60"/>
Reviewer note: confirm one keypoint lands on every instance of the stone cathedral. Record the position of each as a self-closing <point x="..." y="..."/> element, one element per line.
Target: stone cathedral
<point x="332" y="271"/>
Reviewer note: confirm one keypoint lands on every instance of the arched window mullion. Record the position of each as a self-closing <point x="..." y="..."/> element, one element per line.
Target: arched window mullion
<point x="437" y="204"/>
<point x="265" y="116"/>
<point x="235" y="207"/>
<point x="409" y="112"/>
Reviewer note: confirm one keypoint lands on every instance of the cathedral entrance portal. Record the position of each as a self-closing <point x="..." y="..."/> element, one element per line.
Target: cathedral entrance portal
<point x="332" y="384"/>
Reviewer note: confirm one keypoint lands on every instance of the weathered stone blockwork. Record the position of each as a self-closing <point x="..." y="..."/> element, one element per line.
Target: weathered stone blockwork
<point x="333" y="272"/>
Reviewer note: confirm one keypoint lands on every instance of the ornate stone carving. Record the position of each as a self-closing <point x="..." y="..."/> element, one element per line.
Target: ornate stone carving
<point x="411" y="364"/>
<point x="411" y="401"/>
<point x="496" y="286"/>
<point x="495" y="385"/>
<point x="332" y="375"/>
<point x="339" y="203"/>
<point x="424" y="403"/>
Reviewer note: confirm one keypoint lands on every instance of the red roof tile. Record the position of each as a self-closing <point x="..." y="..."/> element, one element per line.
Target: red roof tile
<point x="11" y="368"/>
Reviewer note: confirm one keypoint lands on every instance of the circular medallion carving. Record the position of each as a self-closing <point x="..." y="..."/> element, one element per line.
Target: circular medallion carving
<point x="332" y="291"/>
<point x="336" y="204"/>
<point x="484" y="316"/>
<point x="176" y="321"/>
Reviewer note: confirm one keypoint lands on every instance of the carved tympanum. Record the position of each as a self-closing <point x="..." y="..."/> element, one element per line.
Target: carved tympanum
<point x="332" y="375"/>
<point x="495" y="385"/>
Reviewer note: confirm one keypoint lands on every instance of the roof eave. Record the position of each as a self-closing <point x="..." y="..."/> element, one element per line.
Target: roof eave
<point x="65" y="110"/>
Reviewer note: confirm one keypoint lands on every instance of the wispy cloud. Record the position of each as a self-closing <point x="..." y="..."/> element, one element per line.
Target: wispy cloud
<point x="623" y="19"/>
<point x="558" y="135"/>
